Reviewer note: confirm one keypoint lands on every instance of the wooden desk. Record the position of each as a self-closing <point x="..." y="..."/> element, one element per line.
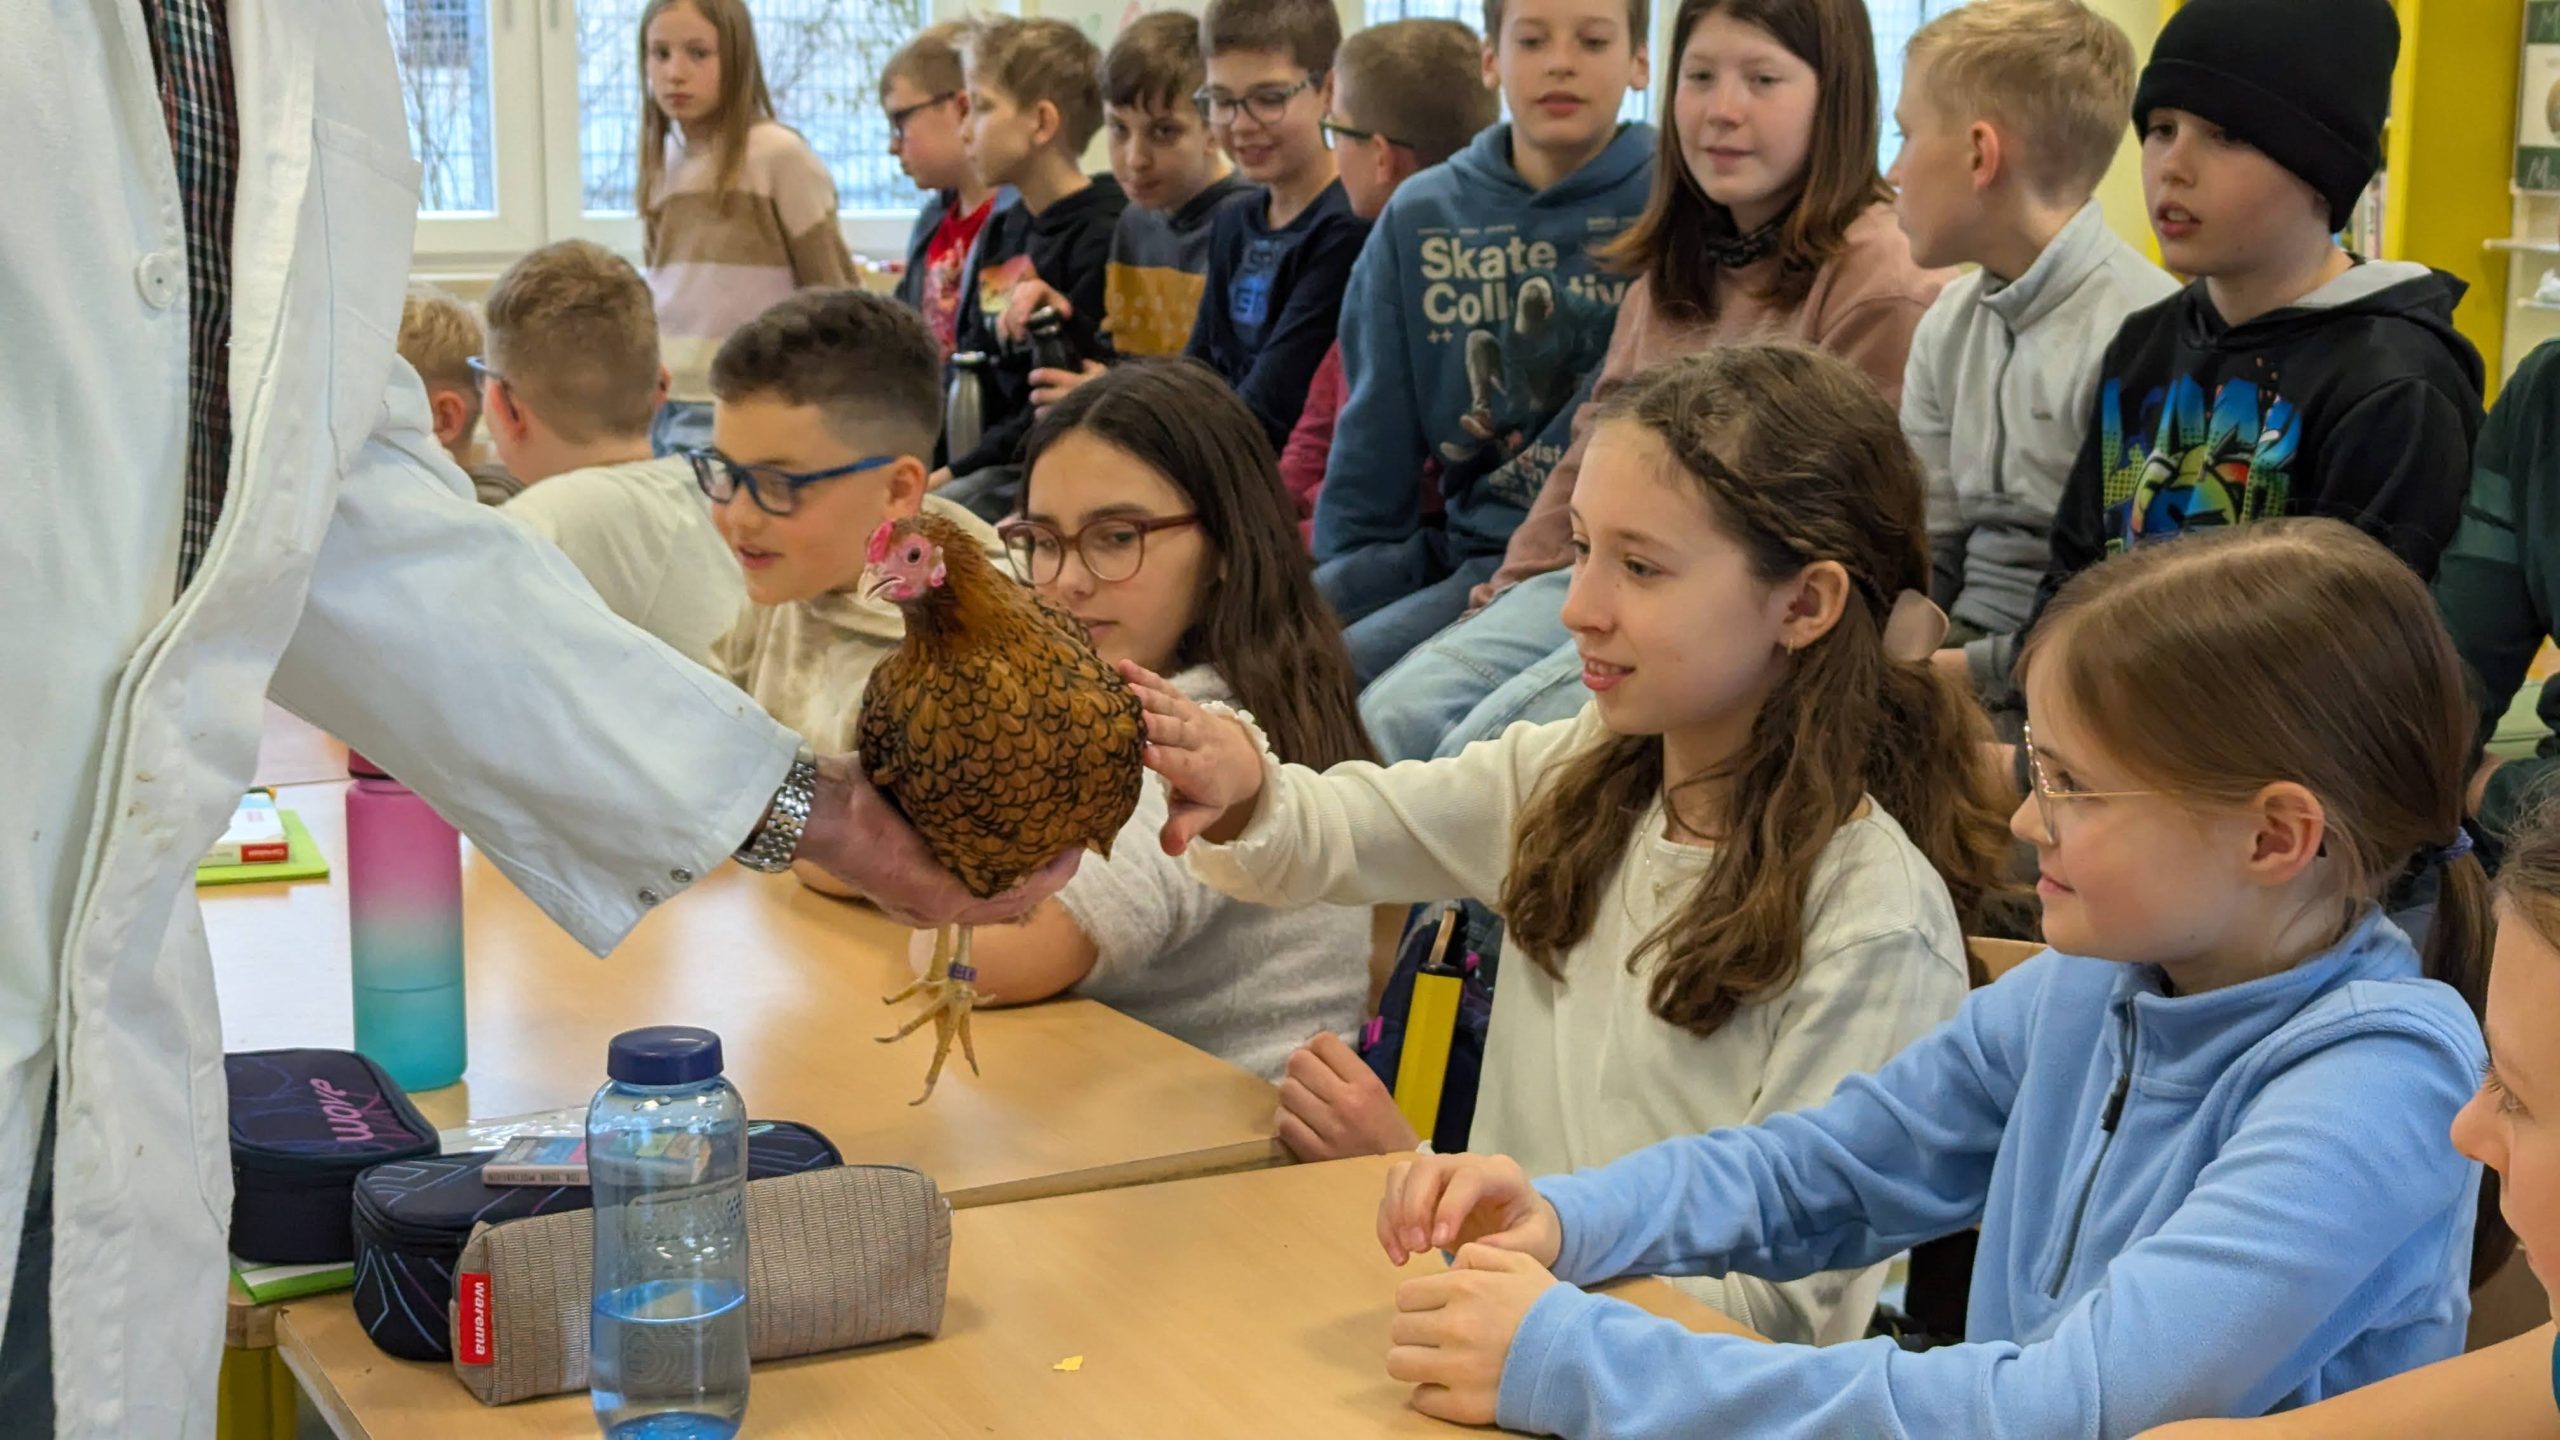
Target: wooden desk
<point x="1240" y="1306"/>
<point x="292" y="751"/>
<point x="1076" y="1096"/>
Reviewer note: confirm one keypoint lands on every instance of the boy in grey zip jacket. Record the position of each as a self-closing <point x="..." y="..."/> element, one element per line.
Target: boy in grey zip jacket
<point x="2004" y="366"/>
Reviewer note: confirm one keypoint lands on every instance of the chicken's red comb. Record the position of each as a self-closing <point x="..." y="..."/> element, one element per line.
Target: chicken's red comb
<point x="879" y="550"/>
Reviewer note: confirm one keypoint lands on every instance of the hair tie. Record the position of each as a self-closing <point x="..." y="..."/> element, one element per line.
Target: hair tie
<point x="1914" y="628"/>
<point x="2447" y="854"/>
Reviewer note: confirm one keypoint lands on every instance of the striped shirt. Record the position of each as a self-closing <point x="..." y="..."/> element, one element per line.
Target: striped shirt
<point x="191" y="50"/>
<point x="718" y="260"/>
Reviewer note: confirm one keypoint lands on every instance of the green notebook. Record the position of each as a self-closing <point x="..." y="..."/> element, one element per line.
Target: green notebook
<point x="268" y="1284"/>
<point x="304" y="862"/>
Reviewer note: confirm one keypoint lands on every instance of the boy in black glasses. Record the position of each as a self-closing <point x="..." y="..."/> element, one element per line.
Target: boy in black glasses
<point x="1405" y="98"/>
<point x="569" y="378"/>
<point x="924" y="95"/>
<point x="1278" y="260"/>
<point x="828" y="408"/>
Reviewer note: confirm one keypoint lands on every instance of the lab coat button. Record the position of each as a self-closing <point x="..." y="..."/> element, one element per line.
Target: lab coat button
<point x="649" y="897"/>
<point x="160" y="278"/>
<point x="681" y="876"/>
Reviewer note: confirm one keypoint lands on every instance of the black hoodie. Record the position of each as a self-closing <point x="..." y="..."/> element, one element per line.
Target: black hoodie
<point x="1067" y="245"/>
<point x="2360" y="401"/>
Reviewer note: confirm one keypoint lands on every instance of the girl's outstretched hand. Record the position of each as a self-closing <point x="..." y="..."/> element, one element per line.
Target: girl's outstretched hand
<point x="1440" y="1202"/>
<point x="1209" y="761"/>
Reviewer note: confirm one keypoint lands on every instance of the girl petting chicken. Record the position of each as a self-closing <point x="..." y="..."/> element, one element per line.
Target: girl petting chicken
<point x="1724" y="875"/>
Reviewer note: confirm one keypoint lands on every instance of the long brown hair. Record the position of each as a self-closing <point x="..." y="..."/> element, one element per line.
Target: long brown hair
<point x="2318" y="658"/>
<point x="1668" y="242"/>
<point x="1260" y="622"/>
<point x="744" y="100"/>
<point x="1800" y="461"/>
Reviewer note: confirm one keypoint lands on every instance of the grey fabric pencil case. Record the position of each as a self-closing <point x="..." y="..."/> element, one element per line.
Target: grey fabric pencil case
<point x="836" y="1258"/>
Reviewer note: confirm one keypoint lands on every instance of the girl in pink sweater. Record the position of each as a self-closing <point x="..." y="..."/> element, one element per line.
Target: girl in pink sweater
<point x="1768" y="218"/>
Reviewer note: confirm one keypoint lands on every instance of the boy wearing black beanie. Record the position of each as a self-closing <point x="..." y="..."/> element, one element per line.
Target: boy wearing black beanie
<point x="2290" y="377"/>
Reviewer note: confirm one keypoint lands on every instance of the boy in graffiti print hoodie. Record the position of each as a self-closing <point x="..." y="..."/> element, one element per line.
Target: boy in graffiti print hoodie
<point x="2290" y="377"/>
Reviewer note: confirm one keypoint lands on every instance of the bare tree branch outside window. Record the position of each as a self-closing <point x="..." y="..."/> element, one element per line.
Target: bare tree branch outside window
<point x="822" y="59"/>
<point x="443" y="51"/>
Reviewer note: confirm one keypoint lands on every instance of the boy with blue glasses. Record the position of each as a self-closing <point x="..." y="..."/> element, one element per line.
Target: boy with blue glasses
<point x="828" y="406"/>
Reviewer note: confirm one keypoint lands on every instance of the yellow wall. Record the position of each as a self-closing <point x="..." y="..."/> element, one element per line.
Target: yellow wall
<point x="2121" y="195"/>
<point x="2451" y="152"/>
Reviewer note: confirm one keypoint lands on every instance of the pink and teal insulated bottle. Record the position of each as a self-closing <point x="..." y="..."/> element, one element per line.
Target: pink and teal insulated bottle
<point x="404" y="930"/>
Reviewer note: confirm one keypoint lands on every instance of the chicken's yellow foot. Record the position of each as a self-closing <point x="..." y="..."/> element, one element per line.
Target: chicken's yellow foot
<point x="949" y="994"/>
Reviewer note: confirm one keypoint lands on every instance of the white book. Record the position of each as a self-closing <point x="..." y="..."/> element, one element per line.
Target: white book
<point x="255" y="837"/>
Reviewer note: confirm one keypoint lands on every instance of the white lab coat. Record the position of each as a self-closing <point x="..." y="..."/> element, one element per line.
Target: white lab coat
<point x="351" y="572"/>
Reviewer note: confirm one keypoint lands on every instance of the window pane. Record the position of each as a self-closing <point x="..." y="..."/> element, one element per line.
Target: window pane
<point x="1637" y="106"/>
<point x="1894" y="22"/>
<point x="442" y="47"/>
<point x="821" y="61"/>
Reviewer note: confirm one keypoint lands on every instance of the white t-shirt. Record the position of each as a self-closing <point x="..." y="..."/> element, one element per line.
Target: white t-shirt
<point x="642" y="535"/>
<point x="1579" y="1072"/>
<point x="1245" y="982"/>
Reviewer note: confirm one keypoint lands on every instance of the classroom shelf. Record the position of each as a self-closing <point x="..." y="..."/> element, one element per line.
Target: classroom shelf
<point x="2451" y="155"/>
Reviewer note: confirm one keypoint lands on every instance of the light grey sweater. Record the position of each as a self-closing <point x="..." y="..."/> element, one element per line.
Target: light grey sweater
<point x="1246" y="982"/>
<point x="1996" y="399"/>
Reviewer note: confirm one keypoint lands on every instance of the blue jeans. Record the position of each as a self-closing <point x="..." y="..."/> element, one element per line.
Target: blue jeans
<point x="681" y="425"/>
<point x="1478" y="675"/>
<point x="1391" y="598"/>
<point x="991" y="494"/>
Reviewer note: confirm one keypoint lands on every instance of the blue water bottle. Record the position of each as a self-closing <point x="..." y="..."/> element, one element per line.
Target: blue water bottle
<point x="667" y="1157"/>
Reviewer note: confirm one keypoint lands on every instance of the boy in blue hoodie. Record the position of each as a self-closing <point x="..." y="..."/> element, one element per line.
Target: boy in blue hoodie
<point x="1405" y="98"/>
<point x="1474" y="315"/>
<point x="2204" y="1136"/>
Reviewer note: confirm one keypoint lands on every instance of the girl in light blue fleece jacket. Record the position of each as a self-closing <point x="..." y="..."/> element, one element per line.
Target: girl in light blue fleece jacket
<point x="2204" y="1137"/>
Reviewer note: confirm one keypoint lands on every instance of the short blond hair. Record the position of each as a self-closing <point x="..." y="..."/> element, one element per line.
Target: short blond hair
<point x="573" y="330"/>
<point x="932" y="62"/>
<point x="438" y="337"/>
<point x="1036" y="60"/>
<point x="2056" y="75"/>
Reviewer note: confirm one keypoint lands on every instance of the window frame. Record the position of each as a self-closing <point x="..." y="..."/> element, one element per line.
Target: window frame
<point x="536" y="111"/>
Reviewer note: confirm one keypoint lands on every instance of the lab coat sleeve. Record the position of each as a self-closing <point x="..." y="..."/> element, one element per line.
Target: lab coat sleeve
<point x="596" y="767"/>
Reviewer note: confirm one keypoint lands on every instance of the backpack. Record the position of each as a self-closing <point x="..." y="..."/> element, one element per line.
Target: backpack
<point x="1477" y="947"/>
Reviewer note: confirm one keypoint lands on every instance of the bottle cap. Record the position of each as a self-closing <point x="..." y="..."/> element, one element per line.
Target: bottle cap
<point x="664" y="1055"/>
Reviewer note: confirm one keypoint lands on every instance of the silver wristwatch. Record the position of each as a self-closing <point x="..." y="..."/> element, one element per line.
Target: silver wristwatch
<point x="777" y="837"/>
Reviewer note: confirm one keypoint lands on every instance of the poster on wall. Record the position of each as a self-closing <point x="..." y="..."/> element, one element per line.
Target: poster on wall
<point x="2538" y="124"/>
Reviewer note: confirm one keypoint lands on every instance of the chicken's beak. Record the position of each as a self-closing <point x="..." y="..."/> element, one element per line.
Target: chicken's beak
<point x="877" y="585"/>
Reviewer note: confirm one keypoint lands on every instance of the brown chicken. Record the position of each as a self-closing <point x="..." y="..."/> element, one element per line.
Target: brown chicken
<point x="996" y="730"/>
